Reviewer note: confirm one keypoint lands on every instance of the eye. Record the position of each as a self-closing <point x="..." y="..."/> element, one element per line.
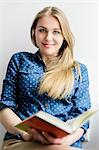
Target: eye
<point x="56" y="32"/>
<point x="42" y="30"/>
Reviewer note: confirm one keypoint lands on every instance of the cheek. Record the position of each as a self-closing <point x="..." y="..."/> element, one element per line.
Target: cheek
<point x="38" y="37"/>
<point x="60" y="41"/>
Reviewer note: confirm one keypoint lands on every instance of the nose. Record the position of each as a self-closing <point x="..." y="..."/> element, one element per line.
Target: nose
<point x="48" y="36"/>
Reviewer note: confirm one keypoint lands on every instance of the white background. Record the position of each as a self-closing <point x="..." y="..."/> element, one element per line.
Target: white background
<point x="15" y="21"/>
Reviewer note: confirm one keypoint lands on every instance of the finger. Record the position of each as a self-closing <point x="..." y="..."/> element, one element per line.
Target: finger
<point x="32" y="132"/>
<point x="40" y="138"/>
<point x="52" y="139"/>
<point x="26" y="136"/>
<point x="36" y="135"/>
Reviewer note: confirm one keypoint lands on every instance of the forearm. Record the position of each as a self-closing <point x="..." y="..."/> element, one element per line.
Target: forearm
<point x="76" y="135"/>
<point x="9" y="119"/>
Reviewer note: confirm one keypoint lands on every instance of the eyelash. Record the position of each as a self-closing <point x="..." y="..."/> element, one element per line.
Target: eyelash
<point x="54" y="32"/>
<point x="42" y="30"/>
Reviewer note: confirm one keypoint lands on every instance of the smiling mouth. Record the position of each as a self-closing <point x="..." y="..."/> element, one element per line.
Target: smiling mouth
<point x="48" y="45"/>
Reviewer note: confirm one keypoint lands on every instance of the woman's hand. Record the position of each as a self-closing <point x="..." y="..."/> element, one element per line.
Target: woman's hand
<point x="59" y="141"/>
<point x="26" y="136"/>
<point x="45" y="138"/>
<point x="34" y="135"/>
<point x="38" y="136"/>
<point x="67" y="140"/>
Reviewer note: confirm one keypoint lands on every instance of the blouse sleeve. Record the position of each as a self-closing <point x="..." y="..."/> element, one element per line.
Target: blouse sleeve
<point x="9" y="90"/>
<point x="81" y="98"/>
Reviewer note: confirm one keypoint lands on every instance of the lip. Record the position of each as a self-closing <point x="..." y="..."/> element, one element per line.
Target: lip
<point x="48" y="45"/>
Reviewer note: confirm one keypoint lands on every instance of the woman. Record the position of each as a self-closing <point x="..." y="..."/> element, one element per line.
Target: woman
<point x="49" y="80"/>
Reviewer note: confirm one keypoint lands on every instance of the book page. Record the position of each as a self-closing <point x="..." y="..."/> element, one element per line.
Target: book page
<point x="81" y="119"/>
<point x="54" y="121"/>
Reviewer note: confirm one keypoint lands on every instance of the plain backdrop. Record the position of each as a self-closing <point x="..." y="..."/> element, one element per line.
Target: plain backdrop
<point x="15" y="21"/>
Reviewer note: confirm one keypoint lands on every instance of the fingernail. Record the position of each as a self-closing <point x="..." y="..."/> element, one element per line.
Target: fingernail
<point x="43" y="132"/>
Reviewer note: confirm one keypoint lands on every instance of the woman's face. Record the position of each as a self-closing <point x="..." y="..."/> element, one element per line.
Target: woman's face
<point x="48" y="36"/>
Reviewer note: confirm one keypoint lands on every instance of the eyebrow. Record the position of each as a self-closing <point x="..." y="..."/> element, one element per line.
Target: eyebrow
<point x="46" y="28"/>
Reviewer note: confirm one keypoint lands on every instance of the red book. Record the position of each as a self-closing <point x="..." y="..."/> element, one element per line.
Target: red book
<point x="43" y="121"/>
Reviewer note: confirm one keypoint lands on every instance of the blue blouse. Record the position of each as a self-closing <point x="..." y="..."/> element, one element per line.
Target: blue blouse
<point x="20" y="91"/>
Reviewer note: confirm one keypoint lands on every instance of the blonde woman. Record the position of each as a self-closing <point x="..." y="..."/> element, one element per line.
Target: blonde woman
<point x="49" y="80"/>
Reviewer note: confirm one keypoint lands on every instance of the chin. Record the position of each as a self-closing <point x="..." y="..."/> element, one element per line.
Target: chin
<point x="49" y="52"/>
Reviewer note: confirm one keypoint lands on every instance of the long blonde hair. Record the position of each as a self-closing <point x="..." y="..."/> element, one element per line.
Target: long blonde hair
<point x="58" y="80"/>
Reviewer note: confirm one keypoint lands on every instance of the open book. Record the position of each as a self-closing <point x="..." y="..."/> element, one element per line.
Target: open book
<point x="43" y="121"/>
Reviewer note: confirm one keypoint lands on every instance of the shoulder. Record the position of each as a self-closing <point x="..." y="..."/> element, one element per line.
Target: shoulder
<point x="22" y="55"/>
<point x="17" y="59"/>
<point x="83" y="70"/>
<point x="82" y="67"/>
<point x="80" y="71"/>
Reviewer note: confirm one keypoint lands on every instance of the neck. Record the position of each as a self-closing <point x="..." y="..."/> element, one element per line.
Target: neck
<point x="49" y="60"/>
<point x="46" y="60"/>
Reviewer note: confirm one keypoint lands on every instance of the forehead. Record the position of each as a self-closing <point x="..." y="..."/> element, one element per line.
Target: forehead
<point x="49" y="22"/>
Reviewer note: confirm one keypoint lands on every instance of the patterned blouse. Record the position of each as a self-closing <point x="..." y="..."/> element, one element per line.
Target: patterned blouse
<point x="20" y="92"/>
